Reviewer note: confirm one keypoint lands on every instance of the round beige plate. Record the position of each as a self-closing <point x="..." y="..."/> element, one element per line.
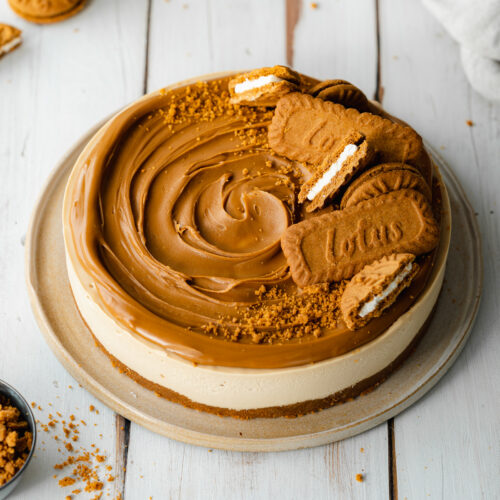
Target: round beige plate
<point x="71" y="342"/>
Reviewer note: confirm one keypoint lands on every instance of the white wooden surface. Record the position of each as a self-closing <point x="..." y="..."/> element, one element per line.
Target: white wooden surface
<point x="68" y="76"/>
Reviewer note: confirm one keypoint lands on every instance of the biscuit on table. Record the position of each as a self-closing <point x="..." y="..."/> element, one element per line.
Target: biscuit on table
<point x="350" y="157"/>
<point x="263" y="86"/>
<point x="337" y="245"/>
<point x="376" y="287"/>
<point x="341" y="92"/>
<point x="383" y="179"/>
<point x="306" y="129"/>
<point x="10" y="39"/>
<point x="45" y="12"/>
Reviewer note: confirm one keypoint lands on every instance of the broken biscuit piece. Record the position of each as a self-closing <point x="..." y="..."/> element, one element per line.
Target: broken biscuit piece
<point x="10" y="39"/>
<point x="349" y="158"/>
<point x="375" y="288"/>
<point x="264" y="86"/>
<point x="305" y="128"/>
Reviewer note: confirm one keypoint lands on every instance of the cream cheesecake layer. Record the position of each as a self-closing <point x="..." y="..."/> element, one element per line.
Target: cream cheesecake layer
<point x="243" y="388"/>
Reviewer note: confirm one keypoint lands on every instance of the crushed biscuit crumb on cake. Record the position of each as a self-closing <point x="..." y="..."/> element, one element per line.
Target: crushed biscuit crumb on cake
<point x="206" y="101"/>
<point x="279" y="316"/>
<point x="15" y="440"/>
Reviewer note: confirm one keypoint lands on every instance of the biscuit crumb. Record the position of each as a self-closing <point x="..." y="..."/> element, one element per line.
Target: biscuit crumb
<point x="360" y="478"/>
<point x="314" y="5"/>
<point x="66" y="481"/>
<point x="85" y="470"/>
<point x="280" y="317"/>
<point x="470" y="123"/>
<point x="205" y="101"/>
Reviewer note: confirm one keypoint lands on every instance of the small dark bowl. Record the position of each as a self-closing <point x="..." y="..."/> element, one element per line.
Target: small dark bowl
<point x="17" y="400"/>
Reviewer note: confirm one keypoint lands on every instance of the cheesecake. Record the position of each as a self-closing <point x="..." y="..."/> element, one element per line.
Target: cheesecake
<point x="175" y="221"/>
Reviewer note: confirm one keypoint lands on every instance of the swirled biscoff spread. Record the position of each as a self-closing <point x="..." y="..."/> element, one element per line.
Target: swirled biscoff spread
<point x="178" y="212"/>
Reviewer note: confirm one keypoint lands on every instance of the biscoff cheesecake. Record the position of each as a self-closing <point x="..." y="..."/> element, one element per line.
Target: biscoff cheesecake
<point x="206" y="277"/>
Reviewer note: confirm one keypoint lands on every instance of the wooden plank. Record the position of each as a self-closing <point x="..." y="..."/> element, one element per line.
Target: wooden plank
<point x="122" y="428"/>
<point x="164" y="468"/>
<point x="233" y="35"/>
<point x="338" y="40"/>
<point x="188" y="39"/>
<point x="64" y="78"/>
<point x="447" y="444"/>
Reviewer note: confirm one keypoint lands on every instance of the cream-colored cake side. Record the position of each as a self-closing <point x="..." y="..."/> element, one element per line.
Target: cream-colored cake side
<point x="242" y="389"/>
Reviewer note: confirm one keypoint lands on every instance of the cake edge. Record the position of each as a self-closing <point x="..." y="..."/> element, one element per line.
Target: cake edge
<point x="294" y="410"/>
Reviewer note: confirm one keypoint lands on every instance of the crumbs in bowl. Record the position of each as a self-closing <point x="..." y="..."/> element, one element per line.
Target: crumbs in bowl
<point x="15" y="440"/>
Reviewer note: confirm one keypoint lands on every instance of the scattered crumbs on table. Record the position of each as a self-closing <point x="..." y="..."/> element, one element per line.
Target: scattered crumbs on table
<point x="83" y="468"/>
<point x="360" y="478"/>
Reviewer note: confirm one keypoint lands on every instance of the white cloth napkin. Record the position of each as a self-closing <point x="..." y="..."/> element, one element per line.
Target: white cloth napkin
<point x="475" y="25"/>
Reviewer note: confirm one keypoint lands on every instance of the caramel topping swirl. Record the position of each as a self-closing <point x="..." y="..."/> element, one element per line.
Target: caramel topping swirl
<point x="174" y="214"/>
